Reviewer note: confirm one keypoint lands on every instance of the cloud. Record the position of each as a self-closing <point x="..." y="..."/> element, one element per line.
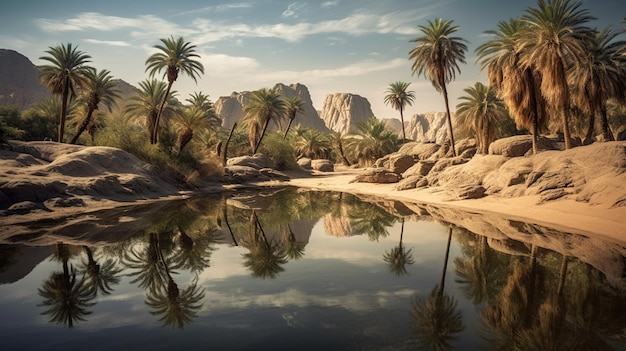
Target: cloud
<point x="108" y="42"/>
<point x="329" y="4"/>
<point x="293" y="9"/>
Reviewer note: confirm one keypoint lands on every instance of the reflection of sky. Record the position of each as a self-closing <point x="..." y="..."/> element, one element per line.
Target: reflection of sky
<point x="341" y="289"/>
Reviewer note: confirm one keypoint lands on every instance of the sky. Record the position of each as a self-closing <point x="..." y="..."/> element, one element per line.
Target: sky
<point x="331" y="46"/>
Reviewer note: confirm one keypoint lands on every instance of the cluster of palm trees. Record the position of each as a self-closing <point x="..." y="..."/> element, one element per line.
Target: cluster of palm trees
<point x="542" y="67"/>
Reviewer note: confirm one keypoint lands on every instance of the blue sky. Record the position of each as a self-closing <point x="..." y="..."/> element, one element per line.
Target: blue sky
<point x="352" y="46"/>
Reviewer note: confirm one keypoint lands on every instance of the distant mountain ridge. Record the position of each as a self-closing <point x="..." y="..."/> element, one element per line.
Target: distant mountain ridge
<point x="19" y="81"/>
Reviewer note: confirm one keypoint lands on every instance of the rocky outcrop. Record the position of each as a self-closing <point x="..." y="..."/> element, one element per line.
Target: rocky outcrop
<point x="394" y="124"/>
<point x="20" y="81"/>
<point x="230" y="108"/>
<point x="342" y="112"/>
<point x="428" y="128"/>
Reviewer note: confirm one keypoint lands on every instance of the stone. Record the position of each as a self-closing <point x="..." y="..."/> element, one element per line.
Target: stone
<point x="407" y="183"/>
<point x="342" y="112"/>
<point x="469" y="192"/>
<point x="256" y="161"/>
<point x="304" y="162"/>
<point x="515" y="146"/>
<point x="421" y="168"/>
<point x="399" y="163"/>
<point x="376" y="175"/>
<point x="323" y="165"/>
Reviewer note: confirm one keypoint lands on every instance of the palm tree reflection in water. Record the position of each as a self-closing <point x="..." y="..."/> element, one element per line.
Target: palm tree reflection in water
<point x="265" y="259"/>
<point x="437" y="319"/>
<point x="399" y="257"/>
<point x="66" y="296"/>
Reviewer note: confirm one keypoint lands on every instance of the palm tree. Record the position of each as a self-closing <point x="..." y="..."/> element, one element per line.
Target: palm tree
<point x="398" y="97"/>
<point x="175" y="56"/>
<point x="176" y="307"/>
<point x="398" y="257"/>
<point x="373" y="140"/>
<point x="437" y="56"/>
<point x="337" y="140"/>
<point x="293" y="106"/>
<point x="517" y="85"/>
<point x="312" y="143"/>
<point x="481" y="111"/>
<point x="265" y="259"/>
<point x="49" y="111"/>
<point x="554" y="42"/>
<point x="100" y="88"/>
<point x="145" y="103"/>
<point x="265" y="105"/>
<point x="67" y="71"/>
<point x="189" y="120"/>
<point x="600" y="78"/>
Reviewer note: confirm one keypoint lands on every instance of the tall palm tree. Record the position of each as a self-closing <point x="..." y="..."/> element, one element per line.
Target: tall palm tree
<point x="373" y="140"/>
<point x="599" y="78"/>
<point x="481" y="111"/>
<point x="264" y="105"/>
<point x="293" y="106"/>
<point x="437" y="56"/>
<point x="175" y="56"/>
<point x="555" y="41"/>
<point x="189" y="120"/>
<point x="67" y="71"/>
<point x="145" y="103"/>
<point x="517" y="85"/>
<point x="398" y="97"/>
<point x="100" y="88"/>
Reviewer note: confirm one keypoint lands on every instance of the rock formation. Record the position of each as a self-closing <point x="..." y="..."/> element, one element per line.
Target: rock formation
<point x="342" y="112"/>
<point x="20" y="81"/>
<point x="428" y="128"/>
<point x="230" y="108"/>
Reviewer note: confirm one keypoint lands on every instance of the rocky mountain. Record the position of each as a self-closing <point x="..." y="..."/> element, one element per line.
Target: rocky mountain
<point x="230" y="108"/>
<point x="342" y="112"/>
<point x="395" y="124"/>
<point x="428" y="127"/>
<point x="19" y="81"/>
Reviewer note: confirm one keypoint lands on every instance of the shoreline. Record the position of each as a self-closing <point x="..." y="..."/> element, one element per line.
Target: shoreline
<point x="565" y="215"/>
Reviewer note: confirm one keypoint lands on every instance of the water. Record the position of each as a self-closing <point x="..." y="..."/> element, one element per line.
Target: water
<point x="293" y="269"/>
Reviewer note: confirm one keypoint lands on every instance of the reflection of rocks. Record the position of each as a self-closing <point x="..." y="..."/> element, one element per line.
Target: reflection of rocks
<point x="338" y="226"/>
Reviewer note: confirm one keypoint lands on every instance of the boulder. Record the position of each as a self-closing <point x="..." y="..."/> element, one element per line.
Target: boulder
<point x="256" y="161"/>
<point x="304" y="162"/>
<point x="399" y="163"/>
<point x="376" y="175"/>
<point x="470" y="191"/>
<point x="409" y="182"/>
<point x="273" y="174"/>
<point x="323" y="165"/>
<point x="419" y="150"/>
<point x="515" y="146"/>
<point x="421" y="168"/>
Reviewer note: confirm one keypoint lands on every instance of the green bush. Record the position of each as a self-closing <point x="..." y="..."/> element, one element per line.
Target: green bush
<point x="280" y="151"/>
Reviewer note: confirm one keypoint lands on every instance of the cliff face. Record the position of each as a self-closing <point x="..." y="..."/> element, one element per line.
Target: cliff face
<point x="230" y="108"/>
<point x="429" y="127"/>
<point x="342" y="112"/>
<point x="19" y="81"/>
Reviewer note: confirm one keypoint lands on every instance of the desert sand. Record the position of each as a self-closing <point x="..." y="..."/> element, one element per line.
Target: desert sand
<point x="51" y="180"/>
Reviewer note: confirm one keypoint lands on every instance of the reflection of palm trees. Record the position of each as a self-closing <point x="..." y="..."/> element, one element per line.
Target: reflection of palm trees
<point x="265" y="259"/>
<point x="146" y="264"/>
<point x="194" y="254"/>
<point x="477" y="274"/>
<point x="176" y="307"/>
<point x="398" y="257"/>
<point x="293" y="249"/>
<point x="100" y="277"/>
<point x="436" y="318"/>
<point x="367" y="218"/>
<point x="66" y="296"/>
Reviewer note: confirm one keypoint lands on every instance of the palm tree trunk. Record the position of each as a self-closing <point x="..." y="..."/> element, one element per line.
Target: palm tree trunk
<point x="589" y="137"/>
<point x="288" y="126"/>
<point x="83" y="126"/>
<point x="402" y="121"/>
<point x="155" y="136"/>
<point x="225" y="151"/>
<point x="65" y="98"/>
<point x="258" y="143"/>
<point x="562" y="275"/>
<point x="606" y="130"/>
<point x="449" y="118"/>
<point x="343" y="155"/>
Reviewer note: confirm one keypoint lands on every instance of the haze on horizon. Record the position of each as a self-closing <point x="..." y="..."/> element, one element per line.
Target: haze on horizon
<point x="346" y="46"/>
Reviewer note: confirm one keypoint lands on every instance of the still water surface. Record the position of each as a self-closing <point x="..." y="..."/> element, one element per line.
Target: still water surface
<point x="303" y="270"/>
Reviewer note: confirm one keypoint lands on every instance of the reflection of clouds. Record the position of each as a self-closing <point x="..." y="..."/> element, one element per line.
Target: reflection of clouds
<point x="354" y="301"/>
